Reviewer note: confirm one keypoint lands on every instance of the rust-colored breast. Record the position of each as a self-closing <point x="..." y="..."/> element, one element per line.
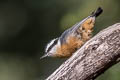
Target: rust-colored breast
<point x="70" y="47"/>
<point x="88" y="24"/>
<point x="87" y="29"/>
<point x="73" y="42"/>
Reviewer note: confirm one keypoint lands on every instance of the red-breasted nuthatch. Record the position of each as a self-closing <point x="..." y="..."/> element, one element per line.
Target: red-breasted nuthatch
<point x="73" y="38"/>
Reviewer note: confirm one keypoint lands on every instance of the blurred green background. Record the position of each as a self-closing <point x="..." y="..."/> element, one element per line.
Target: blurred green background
<point x="26" y="26"/>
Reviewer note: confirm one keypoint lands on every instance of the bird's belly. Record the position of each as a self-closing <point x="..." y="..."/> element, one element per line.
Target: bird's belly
<point x="67" y="49"/>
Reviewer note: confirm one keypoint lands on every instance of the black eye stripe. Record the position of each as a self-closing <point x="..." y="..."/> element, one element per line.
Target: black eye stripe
<point x="54" y="43"/>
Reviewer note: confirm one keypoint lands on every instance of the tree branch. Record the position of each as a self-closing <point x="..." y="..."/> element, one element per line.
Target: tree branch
<point x="93" y="58"/>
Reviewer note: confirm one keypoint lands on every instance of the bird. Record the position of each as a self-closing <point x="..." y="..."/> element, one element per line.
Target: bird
<point x="73" y="38"/>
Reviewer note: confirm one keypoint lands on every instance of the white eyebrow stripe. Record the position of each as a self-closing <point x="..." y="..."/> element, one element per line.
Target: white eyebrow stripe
<point x="48" y="45"/>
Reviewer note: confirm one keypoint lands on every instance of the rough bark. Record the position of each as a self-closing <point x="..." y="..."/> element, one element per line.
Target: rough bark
<point x="93" y="58"/>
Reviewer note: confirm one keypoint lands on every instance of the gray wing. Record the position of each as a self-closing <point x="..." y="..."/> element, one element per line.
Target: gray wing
<point x="71" y="30"/>
<point x="78" y="25"/>
<point x="67" y="33"/>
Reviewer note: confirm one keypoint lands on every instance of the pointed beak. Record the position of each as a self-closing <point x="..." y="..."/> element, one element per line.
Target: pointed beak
<point x="44" y="56"/>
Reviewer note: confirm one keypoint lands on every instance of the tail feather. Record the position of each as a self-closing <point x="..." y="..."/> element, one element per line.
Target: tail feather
<point x="97" y="12"/>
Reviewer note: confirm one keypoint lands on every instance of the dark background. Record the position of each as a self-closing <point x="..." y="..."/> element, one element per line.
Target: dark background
<point x="26" y="26"/>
